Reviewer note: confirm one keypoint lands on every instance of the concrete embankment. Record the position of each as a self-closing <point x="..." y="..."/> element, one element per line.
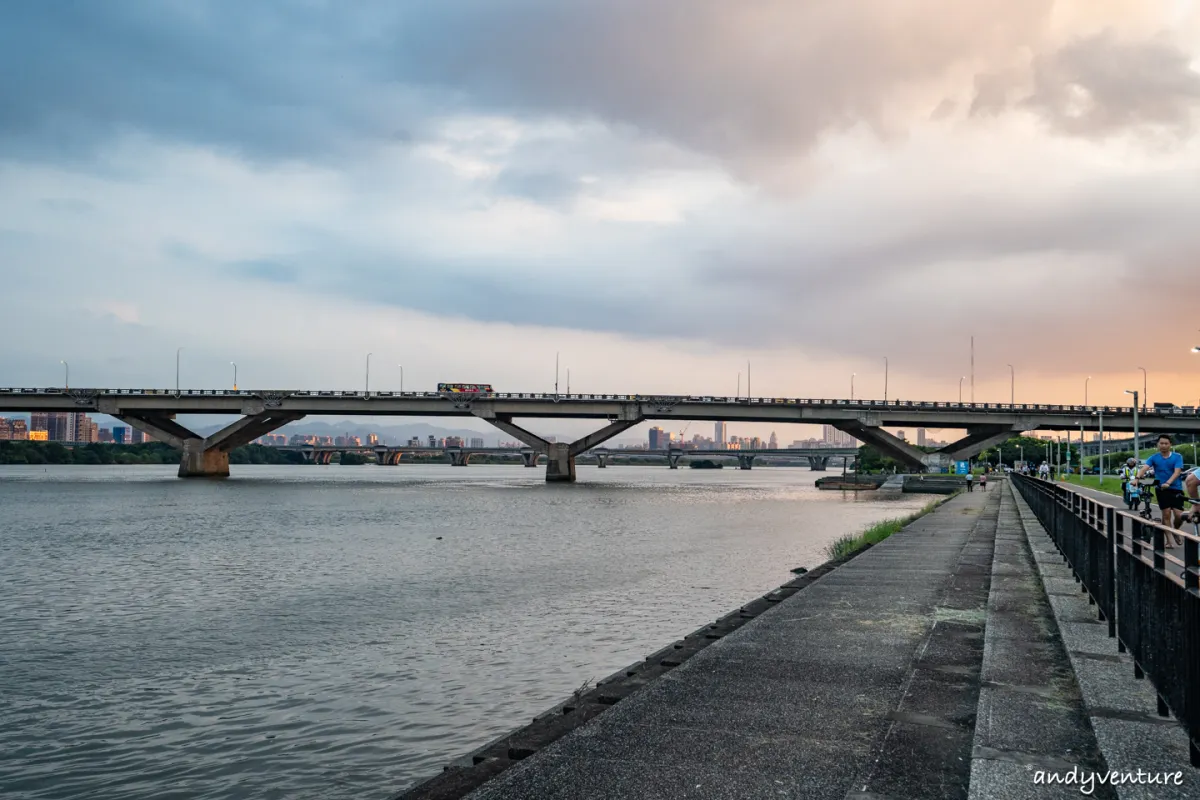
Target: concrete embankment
<point x="930" y="666"/>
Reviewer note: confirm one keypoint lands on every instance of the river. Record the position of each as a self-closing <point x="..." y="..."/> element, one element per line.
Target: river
<point x="339" y="632"/>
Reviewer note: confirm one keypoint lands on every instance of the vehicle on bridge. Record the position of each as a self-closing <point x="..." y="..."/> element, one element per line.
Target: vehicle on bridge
<point x="466" y="388"/>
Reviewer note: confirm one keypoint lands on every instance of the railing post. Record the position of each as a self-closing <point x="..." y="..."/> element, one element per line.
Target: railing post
<point x="1110" y="578"/>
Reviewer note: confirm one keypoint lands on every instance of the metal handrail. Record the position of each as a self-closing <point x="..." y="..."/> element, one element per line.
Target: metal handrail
<point x="1149" y="596"/>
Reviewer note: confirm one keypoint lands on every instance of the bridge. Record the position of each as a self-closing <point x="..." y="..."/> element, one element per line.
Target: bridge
<point x="262" y="411"/>
<point x="818" y="457"/>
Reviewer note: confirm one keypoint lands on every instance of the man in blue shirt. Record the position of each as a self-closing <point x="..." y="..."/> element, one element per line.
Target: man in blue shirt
<point x="1168" y="470"/>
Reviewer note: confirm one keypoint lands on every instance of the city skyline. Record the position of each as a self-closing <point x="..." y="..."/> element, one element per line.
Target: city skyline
<point x="485" y="212"/>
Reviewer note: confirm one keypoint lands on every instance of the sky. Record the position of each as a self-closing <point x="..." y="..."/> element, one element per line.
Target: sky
<point x="660" y="193"/>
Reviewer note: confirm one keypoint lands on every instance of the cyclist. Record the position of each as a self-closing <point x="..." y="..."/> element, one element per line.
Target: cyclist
<point x="1168" y="471"/>
<point x="1128" y="473"/>
<point x="1191" y="491"/>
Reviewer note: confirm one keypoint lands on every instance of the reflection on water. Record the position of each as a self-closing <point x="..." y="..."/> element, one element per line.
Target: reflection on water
<point x="340" y="632"/>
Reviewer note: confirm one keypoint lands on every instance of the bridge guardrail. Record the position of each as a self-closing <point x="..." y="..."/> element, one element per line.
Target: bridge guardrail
<point x="1149" y="413"/>
<point x="1149" y="596"/>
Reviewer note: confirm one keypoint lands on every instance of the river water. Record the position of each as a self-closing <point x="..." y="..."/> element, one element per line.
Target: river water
<point x="340" y="632"/>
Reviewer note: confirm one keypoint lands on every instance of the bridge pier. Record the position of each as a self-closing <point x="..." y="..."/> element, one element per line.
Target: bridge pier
<point x="530" y="457"/>
<point x="459" y="458"/>
<point x="745" y="462"/>
<point x="560" y="464"/>
<point x="206" y="457"/>
<point x="818" y="463"/>
<point x="602" y="460"/>
<point x="673" y="457"/>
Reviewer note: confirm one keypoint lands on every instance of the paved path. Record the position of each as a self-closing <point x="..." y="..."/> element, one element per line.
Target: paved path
<point x="863" y="685"/>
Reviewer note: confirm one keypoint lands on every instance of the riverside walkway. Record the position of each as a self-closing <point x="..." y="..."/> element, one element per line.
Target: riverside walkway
<point x="929" y="666"/>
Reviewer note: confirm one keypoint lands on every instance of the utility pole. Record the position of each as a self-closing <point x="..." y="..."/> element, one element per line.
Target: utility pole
<point x="556" y="375"/>
<point x="972" y="369"/>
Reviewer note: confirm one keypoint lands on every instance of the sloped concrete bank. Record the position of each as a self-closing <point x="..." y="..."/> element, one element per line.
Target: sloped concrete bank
<point x="877" y="663"/>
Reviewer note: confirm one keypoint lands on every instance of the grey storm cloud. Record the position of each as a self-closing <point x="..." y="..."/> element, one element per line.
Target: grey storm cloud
<point x="275" y="79"/>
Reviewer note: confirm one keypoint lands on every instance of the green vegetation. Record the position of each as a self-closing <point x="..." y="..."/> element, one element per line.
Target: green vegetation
<point x="1112" y="484"/>
<point x="851" y="543"/>
<point x="25" y="452"/>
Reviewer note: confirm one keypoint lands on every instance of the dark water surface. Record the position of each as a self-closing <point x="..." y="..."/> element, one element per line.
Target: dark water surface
<point x="301" y="632"/>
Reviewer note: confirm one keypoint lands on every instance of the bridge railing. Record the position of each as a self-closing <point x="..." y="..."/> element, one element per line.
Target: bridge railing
<point x="1150" y="413"/>
<point x="1148" y="595"/>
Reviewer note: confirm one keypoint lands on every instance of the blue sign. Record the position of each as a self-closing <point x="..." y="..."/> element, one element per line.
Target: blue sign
<point x="962" y="467"/>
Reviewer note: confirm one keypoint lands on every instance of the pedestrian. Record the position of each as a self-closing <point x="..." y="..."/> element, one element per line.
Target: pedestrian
<point x="970" y="482"/>
<point x="1168" y="471"/>
<point x="983" y="482"/>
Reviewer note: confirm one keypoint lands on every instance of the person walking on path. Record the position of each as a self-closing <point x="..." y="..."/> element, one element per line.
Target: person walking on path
<point x="1168" y="471"/>
<point x="983" y="482"/>
<point x="970" y="482"/>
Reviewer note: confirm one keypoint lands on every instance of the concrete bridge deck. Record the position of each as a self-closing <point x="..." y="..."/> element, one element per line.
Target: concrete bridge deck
<point x="930" y="666"/>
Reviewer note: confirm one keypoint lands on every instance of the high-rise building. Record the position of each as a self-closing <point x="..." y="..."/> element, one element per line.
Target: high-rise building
<point x="372" y="439"/>
<point x="58" y="427"/>
<point x="120" y="434"/>
<point x="774" y="442"/>
<point x="104" y="436"/>
<point x="901" y="436"/>
<point x="721" y="435"/>
<point x="476" y="441"/>
<point x="921" y="437"/>
<point x="657" y="441"/>
<point x="5" y="429"/>
<point x="20" y="431"/>
<point x="432" y="440"/>
<point x="39" y="421"/>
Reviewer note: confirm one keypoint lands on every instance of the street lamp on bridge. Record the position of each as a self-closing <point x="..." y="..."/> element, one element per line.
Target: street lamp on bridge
<point x="401" y="366"/>
<point x="885" y="378"/>
<point x="960" y="380"/>
<point x="1145" y="391"/>
<point x="852" y="374"/>
<point x="1012" y="386"/>
<point x="178" y="350"/>
<point x="1085" y="388"/>
<point x="1137" y="440"/>
<point x="367" y="385"/>
<point x="234" y="375"/>
<point x="67" y="374"/>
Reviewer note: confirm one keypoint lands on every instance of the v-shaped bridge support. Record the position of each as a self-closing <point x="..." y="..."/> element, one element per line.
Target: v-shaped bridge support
<point x="560" y="464"/>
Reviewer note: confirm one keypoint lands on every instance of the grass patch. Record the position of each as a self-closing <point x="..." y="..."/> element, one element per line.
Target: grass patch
<point x="853" y="542"/>
<point x="1111" y="485"/>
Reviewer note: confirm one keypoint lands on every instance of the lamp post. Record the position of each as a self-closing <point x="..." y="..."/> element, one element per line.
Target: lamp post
<point x="178" y="350"/>
<point x="66" y="375"/>
<point x="367" y="383"/>
<point x="568" y="381"/>
<point x="1021" y="452"/>
<point x="1145" y="391"/>
<point x="852" y="374"/>
<point x="556" y="376"/>
<point x="960" y="380"/>
<point x="885" y="379"/>
<point x="1137" y="440"/>
<point x="234" y="376"/>
<point x="747" y="380"/>
<point x="401" y="366"/>
<point x="1085" y="388"/>
<point x="1012" y="386"/>
<point x="1100" y="418"/>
